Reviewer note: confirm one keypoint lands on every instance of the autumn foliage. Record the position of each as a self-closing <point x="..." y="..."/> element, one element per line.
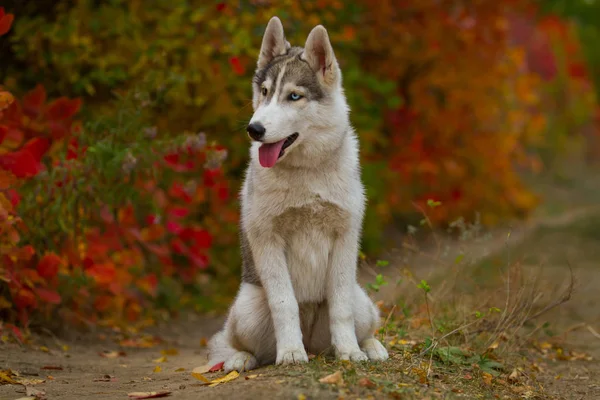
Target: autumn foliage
<point x="124" y="206"/>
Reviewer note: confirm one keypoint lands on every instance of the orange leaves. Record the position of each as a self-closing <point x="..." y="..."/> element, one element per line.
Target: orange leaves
<point x="6" y="99"/>
<point x="6" y="21"/>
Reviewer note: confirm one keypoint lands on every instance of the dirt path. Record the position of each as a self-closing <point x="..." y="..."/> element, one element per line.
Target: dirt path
<point x="80" y="372"/>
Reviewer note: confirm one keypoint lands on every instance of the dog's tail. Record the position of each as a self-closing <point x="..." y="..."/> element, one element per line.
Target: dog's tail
<point x="220" y="348"/>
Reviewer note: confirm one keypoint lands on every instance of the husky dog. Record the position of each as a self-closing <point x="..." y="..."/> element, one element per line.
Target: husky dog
<point x="302" y="210"/>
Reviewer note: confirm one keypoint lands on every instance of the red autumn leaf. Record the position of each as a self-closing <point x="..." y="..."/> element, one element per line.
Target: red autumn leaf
<point x="63" y="108"/>
<point x="16" y="332"/>
<point x="102" y="273"/>
<point x="24" y="162"/>
<point x="25" y="299"/>
<point x="221" y="6"/>
<point x="174" y="227"/>
<point x="223" y="193"/>
<point x="49" y="296"/>
<point x="216" y="367"/>
<point x="179" y="212"/>
<point x="6" y="21"/>
<point x="3" y="133"/>
<point x="178" y="246"/>
<point x="201" y="237"/>
<point x="21" y="163"/>
<point x="37" y="147"/>
<point x="14" y="197"/>
<point x="25" y="253"/>
<point x="237" y="66"/>
<point x="48" y="266"/>
<point x="177" y="191"/>
<point x="34" y="100"/>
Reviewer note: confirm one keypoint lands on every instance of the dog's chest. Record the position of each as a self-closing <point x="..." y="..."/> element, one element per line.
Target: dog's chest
<point x="309" y="232"/>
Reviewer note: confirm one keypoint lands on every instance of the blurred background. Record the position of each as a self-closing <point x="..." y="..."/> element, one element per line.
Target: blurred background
<point x="122" y="135"/>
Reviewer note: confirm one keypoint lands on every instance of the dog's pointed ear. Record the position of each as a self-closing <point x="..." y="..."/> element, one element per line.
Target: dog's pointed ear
<point x="273" y="43"/>
<point x="319" y="54"/>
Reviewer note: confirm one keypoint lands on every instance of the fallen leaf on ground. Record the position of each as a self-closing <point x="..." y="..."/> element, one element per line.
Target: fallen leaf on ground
<point x="301" y="397"/>
<point x="44" y="349"/>
<point x="251" y="376"/>
<point x="53" y="367"/>
<point x="35" y="393"/>
<point x="169" y="352"/>
<point x="229" y="377"/>
<point x="112" y="354"/>
<point x="335" y="378"/>
<point x="200" y="377"/>
<point x="157" y="368"/>
<point x="6" y="377"/>
<point x="180" y="370"/>
<point x="487" y="378"/>
<point x="26" y="398"/>
<point x="514" y="376"/>
<point x="216" y="367"/>
<point x="203" y="342"/>
<point x="160" y="360"/>
<point x="29" y="381"/>
<point x="143" y="342"/>
<point x="147" y="395"/>
<point x="366" y="382"/>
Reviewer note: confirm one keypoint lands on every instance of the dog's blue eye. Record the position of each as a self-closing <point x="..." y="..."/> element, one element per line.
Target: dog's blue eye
<point x="295" y="96"/>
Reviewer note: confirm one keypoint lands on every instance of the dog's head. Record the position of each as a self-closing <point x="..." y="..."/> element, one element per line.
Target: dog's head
<point x="300" y="112"/>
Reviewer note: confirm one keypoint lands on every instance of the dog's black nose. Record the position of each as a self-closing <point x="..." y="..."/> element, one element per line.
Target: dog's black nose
<point x="256" y="131"/>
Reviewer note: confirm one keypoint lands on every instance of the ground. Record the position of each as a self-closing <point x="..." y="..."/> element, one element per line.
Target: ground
<point x="478" y="350"/>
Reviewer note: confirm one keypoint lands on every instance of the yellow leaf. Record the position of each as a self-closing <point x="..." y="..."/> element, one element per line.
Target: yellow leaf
<point x="200" y="377"/>
<point x="301" y="397"/>
<point x="229" y="377"/>
<point x="335" y="378"/>
<point x="44" y="349"/>
<point x="157" y="368"/>
<point x="180" y="370"/>
<point x="160" y="360"/>
<point x="487" y="378"/>
<point x="169" y="352"/>
<point x="493" y="346"/>
<point x="6" y="377"/>
<point x="65" y="347"/>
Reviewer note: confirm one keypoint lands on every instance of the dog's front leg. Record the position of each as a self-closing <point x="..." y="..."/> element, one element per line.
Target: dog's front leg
<point x="340" y="287"/>
<point x="275" y="278"/>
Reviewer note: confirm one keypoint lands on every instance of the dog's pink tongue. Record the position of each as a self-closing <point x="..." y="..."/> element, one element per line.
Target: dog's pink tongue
<point x="268" y="153"/>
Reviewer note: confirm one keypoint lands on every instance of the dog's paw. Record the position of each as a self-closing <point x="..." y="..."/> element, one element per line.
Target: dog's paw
<point x="292" y="356"/>
<point x="240" y="361"/>
<point x="355" y="355"/>
<point x="374" y="349"/>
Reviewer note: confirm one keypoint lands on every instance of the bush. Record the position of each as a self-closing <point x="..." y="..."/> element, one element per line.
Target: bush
<point x="424" y="134"/>
<point x="132" y="208"/>
<point x="102" y="220"/>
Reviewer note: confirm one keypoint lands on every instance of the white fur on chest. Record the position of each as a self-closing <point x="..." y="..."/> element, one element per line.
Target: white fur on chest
<point x="309" y="233"/>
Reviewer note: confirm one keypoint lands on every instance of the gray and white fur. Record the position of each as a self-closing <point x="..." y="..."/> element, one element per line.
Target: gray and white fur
<point x="302" y="212"/>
